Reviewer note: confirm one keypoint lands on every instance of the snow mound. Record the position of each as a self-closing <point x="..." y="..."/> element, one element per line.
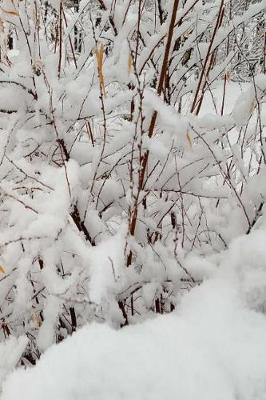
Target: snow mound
<point x="213" y="348"/>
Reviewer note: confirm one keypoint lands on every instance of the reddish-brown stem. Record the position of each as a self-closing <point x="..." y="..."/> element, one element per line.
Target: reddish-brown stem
<point x="144" y="159"/>
<point x="206" y="65"/>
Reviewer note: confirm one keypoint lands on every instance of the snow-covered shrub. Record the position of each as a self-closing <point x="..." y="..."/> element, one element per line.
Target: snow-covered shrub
<point x="111" y="175"/>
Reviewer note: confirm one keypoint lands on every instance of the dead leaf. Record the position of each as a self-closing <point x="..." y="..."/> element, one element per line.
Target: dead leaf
<point x="37" y="320"/>
<point x="129" y="63"/>
<point x="189" y="139"/>
<point x="99" y="58"/>
<point x="10" y="12"/>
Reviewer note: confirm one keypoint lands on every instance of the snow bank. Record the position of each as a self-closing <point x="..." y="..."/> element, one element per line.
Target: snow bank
<point x="213" y="348"/>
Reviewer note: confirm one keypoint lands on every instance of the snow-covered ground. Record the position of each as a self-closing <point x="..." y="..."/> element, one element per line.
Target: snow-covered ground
<point x="212" y="348"/>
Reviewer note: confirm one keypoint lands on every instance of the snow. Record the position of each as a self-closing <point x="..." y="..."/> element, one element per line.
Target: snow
<point x="46" y="334"/>
<point x="106" y="266"/>
<point x="10" y="353"/>
<point x="74" y="205"/>
<point x="212" y="347"/>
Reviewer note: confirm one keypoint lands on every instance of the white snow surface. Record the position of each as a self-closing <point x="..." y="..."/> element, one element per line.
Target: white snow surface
<point x="10" y="352"/>
<point x="212" y="348"/>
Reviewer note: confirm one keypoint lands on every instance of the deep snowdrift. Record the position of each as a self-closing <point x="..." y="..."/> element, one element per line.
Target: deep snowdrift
<point x="213" y="348"/>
